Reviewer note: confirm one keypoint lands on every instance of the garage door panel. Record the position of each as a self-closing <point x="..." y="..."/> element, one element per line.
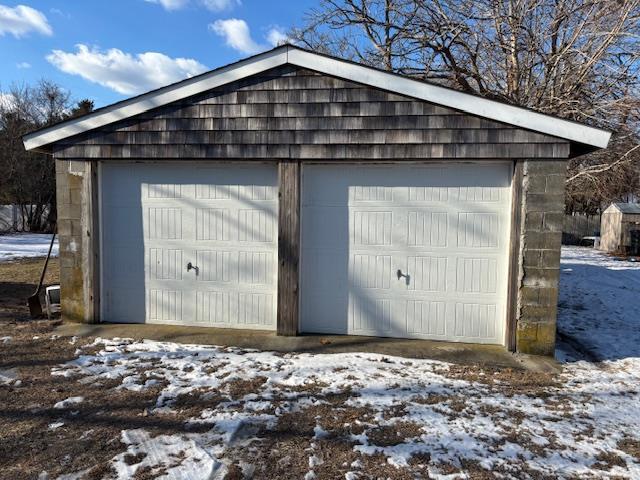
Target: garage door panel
<point x="426" y="318"/>
<point x="165" y="305"/>
<point x="249" y="268"/>
<point x="231" y="308"/>
<point x="122" y="305"/>
<point x="476" y="275"/>
<point x="475" y="320"/>
<point x="222" y="220"/>
<point x="444" y="227"/>
<point x="370" y="315"/>
<point x="329" y="227"/>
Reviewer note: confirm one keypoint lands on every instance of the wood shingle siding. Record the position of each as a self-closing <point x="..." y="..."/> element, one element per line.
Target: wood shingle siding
<point x="291" y="113"/>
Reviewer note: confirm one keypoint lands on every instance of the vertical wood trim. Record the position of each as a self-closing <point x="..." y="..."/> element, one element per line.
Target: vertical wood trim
<point x="95" y="236"/>
<point x="288" y="247"/>
<point x="514" y="254"/>
<point x="90" y="244"/>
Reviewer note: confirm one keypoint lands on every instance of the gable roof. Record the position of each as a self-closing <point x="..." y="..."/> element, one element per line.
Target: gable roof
<point x="292" y="55"/>
<point x="626" y="208"/>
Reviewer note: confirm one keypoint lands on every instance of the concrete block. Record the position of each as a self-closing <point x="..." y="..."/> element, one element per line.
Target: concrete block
<point x="547" y="333"/>
<point x="529" y="296"/>
<point x="555" y="184"/>
<point x="539" y="314"/>
<point x="553" y="221"/>
<point x="532" y="258"/>
<point x="541" y="240"/>
<point x="526" y="331"/>
<point x="545" y="167"/>
<point x="533" y="221"/>
<point x="535" y="184"/>
<point x="71" y="211"/>
<point x="540" y="277"/>
<point x="550" y="259"/>
<point x="67" y="260"/>
<point x="544" y="202"/>
<point x="75" y="196"/>
<point x="548" y="296"/>
<point x="64" y="227"/>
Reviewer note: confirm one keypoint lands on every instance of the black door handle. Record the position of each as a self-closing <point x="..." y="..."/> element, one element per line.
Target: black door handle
<point x="190" y="267"/>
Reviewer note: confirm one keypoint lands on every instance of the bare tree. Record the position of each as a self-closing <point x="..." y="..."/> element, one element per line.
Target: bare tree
<point x="579" y="59"/>
<point x="28" y="179"/>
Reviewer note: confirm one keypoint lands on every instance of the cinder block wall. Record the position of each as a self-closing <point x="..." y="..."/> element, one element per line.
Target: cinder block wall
<point x="73" y="191"/>
<point x="541" y="236"/>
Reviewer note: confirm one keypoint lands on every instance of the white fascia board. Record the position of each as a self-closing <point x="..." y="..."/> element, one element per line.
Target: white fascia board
<point x="464" y="102"/>
<point x="158" y="98"/>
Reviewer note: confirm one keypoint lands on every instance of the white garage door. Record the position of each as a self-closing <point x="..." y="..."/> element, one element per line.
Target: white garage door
<point x="157" y="219"/>
<point x="406" y="251"/>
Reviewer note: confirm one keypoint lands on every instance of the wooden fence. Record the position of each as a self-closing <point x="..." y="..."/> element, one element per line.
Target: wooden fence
<point x="578" y="226"/>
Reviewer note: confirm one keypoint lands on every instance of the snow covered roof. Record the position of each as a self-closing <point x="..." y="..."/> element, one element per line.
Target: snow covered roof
<point x="292" y="55"/>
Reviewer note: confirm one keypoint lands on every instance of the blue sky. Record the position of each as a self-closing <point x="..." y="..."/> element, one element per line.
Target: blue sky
<point x="108" y="50"/>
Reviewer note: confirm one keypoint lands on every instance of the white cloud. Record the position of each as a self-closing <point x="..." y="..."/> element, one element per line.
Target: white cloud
<point x="22" y="65"/>
<point x="123" y="72"/>
<point x="213" y="5"/>
<point x="276" y="36"/>
<point x="236" y="34"/>
<point x="21" y="20"/>
<point x="170" y="4"/>
<point x="219" y="5"/>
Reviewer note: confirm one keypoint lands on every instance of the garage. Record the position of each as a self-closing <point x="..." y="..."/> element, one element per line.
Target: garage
<point x="415" y="251"/>
<point x="300" y="193"/>
<point x="189" y="244"/>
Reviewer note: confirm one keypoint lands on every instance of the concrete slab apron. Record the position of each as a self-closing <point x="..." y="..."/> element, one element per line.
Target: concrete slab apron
<point x="459" y="353"/>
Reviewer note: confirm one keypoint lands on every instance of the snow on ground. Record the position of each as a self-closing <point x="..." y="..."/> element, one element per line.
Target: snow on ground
<point x="328" y="415"/>
<point x="565" y="429"/>
<point x="22" y="245"/>
<point x="599" y="305"/>
<point x="69" y="402"/>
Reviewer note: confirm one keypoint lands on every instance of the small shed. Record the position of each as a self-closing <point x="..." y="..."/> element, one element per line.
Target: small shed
<point x="620" y="228"/>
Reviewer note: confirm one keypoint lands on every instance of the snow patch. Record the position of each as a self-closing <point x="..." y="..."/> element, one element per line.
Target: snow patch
<point x="24" y="245"/>
<point x="69" y="402"/>
<point x="177" y="456"/>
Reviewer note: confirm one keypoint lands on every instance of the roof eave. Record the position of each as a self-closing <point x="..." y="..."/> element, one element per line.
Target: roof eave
<point x="156" y="98"/>
<point x="583" y="137"/>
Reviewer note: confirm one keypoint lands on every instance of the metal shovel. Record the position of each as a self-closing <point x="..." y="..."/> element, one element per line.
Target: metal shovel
<point x="35" y="307"/>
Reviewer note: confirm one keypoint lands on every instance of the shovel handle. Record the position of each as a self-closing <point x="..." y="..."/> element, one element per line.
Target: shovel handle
<point x="46" y="262"/>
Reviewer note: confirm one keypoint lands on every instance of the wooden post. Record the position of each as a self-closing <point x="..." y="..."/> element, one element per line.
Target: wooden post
<point x="288" y="246"/>
<point x="514" y="254"/>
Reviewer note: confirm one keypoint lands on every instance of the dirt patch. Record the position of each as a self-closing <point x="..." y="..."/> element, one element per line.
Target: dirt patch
<point x="131" y="459"/>
<point x="607" y="460"/>
<point x="239" y="389"/>
<point x="191" y="405"/>
<point x="395" y="434"/>
<point x="507" y="381"/>
<point x="630" y="446"/>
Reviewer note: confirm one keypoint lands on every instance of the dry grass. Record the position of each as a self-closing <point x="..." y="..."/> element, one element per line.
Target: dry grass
<point x="18" y="280"/>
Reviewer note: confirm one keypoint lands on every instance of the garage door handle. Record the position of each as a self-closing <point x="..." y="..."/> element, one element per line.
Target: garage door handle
<point x="400" y="274"/>
<point x="192" y="267"/>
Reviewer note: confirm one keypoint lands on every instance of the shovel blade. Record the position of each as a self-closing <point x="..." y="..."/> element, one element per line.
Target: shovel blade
<point x="35" y="307"/>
